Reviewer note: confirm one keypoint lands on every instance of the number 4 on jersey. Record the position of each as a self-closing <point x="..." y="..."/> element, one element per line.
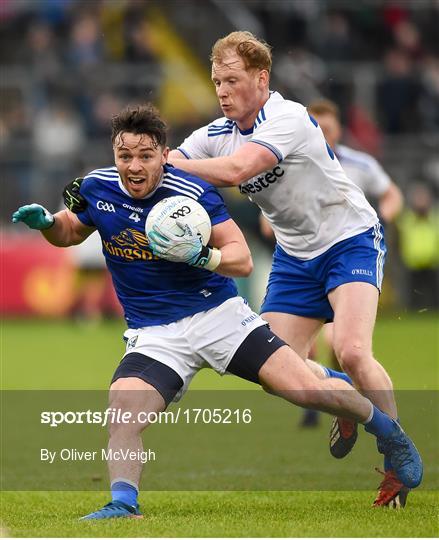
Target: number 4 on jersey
<point x="134" y="216"/>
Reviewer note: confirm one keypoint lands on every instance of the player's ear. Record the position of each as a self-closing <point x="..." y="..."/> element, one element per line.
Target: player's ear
<point x="165" y="155"/>
<point x="264" y="77"/>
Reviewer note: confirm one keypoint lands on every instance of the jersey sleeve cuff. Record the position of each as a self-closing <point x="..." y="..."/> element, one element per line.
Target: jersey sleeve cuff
<point x="220" y="218"/>
<point x="186" y="155"/>
<point x="83" y="218"/>
<point x="270" y="147"/>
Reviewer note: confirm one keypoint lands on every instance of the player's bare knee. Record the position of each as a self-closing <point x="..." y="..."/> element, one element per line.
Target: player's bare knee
<point x="131" y="400"/>
<point x="128" y="419"/>
<point x="124" y="402"/>
<point x="124" y="416"/>
<point x="353" y="357"/>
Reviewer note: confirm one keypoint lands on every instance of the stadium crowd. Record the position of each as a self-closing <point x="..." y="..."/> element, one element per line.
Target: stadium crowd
<point x="69" y="65"/>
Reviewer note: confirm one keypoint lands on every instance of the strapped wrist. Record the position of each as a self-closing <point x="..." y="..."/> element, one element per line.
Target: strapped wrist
<point x="208" y="258"/>
<point x="214" y="259"/>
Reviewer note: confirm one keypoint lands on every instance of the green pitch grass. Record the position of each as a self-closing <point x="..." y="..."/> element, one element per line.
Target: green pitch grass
<point x="62" y="355"/>
<point x="223" y="514"/>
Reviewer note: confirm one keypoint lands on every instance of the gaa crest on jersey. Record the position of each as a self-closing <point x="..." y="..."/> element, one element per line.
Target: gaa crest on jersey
<point x="105" y="206"/>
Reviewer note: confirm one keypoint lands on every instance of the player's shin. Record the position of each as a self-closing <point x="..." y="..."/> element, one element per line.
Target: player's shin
<point x="124" y="452"/>
<point x="353" y="405"/>
<point x="340" y="399"/>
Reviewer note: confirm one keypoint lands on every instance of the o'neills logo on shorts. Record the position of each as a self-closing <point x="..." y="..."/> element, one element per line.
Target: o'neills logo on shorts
<point x="361" y="272"/>
<point x="249" y="319"/>
<point x="263" y="181"/>
<point x="131" y="245"/>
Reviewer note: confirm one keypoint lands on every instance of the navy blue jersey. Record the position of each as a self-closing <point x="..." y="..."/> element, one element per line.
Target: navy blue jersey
<point x="152" y="291"/>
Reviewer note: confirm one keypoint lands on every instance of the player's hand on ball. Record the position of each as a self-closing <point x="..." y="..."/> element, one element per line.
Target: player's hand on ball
<point x="73" y="199"/>
<point x="34" y="216"/>
<point x="184" y="248"/>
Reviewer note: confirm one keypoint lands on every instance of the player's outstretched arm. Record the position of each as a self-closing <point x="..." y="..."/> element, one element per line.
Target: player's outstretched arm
<point x="34" y="216"/>
<point x="249" y="160"/>
<point x="62" y="229"/>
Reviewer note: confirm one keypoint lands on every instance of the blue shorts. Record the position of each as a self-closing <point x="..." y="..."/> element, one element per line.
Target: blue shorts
<point x="301" y="287"/>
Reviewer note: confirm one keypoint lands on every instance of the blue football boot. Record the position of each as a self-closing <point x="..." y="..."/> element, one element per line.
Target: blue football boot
<point x="404" y="457"/>
<point x="115" y="509"/>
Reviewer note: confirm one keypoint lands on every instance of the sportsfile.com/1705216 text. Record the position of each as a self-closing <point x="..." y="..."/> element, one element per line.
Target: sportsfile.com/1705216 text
<point x="113" y="415"/>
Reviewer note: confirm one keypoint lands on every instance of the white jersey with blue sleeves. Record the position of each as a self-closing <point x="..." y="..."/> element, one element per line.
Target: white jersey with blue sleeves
<point x="307" y="198"/>
<point x="364" y="170"/>
<point x="152" y="291"/>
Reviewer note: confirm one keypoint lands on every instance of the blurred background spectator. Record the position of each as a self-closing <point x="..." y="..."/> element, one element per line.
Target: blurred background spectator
<point x="58" y="137"/>
<point x="68" y="65"/>
<point x="398" y="94"/>
<point x="419" y="243"/>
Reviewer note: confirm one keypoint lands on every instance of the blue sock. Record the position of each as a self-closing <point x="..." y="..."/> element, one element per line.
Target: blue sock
<point x="380" y="425"/>
<point x="337" y="374"/>
<point x="124" y="492"/>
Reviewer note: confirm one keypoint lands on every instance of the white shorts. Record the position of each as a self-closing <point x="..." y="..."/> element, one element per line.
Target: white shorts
<point x="206" y="339"/>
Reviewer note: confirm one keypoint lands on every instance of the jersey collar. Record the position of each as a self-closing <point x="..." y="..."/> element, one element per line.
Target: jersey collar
<point x="261" y="116"/>
<point x="245" y="131"/>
